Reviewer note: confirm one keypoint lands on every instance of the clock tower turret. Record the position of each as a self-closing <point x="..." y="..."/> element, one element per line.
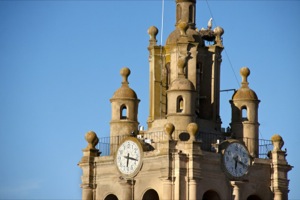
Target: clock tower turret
<point x="124" y="110"/>
<point x="244" y="122"/>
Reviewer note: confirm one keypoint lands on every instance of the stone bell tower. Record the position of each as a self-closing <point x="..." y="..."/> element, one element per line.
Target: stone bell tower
<point x="201" y="68"/>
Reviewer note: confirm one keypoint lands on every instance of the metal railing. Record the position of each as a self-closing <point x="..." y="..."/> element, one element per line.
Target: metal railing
<point x="265" y="146"/>
<point x="108" y="144"/>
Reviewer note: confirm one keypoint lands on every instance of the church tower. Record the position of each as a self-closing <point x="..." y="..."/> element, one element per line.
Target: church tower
<point x="184" y="154"/>
<point x="201" y="67"/>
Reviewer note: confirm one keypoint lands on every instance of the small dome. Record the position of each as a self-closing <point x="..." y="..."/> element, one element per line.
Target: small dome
<point x="182" y="84"/>
<point x="244" y="94"/>
<point x="192" y="36"/>
<point x="125" y="92"/>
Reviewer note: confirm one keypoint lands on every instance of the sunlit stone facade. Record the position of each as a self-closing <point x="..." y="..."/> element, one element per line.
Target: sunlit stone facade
<point x="184" y="153"/>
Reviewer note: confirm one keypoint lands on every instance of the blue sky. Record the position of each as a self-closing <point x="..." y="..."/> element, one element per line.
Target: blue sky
<point x="60" y="63"/>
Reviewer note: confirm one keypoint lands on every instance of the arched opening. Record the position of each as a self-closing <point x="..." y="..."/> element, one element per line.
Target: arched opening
<point x="123" y="113"/>
<point x="179" y="104"/>
<point x="111" y="197"/>
<point x="211" y="195"/>
<point x="253" y="197"/>
<point x="150" y="195"/>
<point x="244" y="114"/>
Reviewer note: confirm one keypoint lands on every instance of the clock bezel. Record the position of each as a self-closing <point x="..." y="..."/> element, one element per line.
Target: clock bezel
<point x="140" y="162"/>
<point x="230" y="174"/>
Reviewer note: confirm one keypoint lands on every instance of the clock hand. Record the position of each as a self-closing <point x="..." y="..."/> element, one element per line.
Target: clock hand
<point x="127" y="157"/>
<point x="236" y="161"/>
<point x="240" y="162"/>
<point x="131" y="158"/>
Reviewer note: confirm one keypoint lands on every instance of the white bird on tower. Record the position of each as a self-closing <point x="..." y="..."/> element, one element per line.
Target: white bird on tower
<point x="209" y="24"/>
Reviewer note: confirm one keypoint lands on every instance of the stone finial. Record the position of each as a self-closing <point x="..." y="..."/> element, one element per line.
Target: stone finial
<point x="92" y="140"/>
<point x="152" y="31"/>
<point x="277" y="142"/>
<point x="192" y="129"/>
<point x="218" y="32"/>
<point x="245" y="72"/>
<point x="169" y="129"/>
<point x="125" y="72"/>
<point x="182" y="26"/>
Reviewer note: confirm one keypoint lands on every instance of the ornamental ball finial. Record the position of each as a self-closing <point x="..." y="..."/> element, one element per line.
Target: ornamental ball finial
<point x="169" y="129"/>
<point x="192" y="129"/>
<point x="277" y="142"/>
<point x="92" y="139"/>
<point x="152" y="31"/>
<point x="219" y="31"/>
<point x="245" y="72"/>
<point x="125" y="72"/>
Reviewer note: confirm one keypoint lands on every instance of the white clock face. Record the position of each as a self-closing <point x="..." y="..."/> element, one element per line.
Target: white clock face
<point x="236" y="159"/>
<point x="128" y="157"/>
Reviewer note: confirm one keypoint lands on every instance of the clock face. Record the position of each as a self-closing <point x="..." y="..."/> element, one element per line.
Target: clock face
<point x="236" y="159"/>
<point x="128" y="158"/>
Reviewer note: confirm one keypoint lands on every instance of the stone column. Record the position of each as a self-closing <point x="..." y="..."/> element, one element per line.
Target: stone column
<point x="87" y="164"/>
<point x="194" y="150"/>
<point x="87" y="192"/>
<point x="167" y="189"/>
<point x="192" y="189"/>
<point x="280" y="168"/>
<point x="177" y="176"/>
<point x="127" y="189"/>
<point x="167" y="147"/>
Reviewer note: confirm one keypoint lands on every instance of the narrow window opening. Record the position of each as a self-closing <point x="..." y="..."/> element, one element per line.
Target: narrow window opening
<point x="244" y="114"/>
<point x="180" y="104"/>
<point x="123" y="112"/>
